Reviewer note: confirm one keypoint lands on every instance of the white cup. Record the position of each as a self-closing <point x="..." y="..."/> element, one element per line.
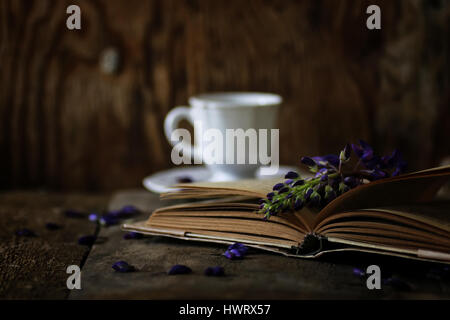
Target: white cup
<point x="215" y="114"/>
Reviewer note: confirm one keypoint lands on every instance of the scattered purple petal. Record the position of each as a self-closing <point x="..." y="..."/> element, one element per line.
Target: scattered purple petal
<point x="122" y="266"/>
<point x="93" y="217"/>
<point x="133" y="235"/>
<point x="215" y="271"/>
<point x="86" y="240"/>
<point x="179" y="269"/>
<point x="25" y="233"/>
<point x="108" y="220"/>
<point x="236" y="251"/>
<point x="358" y="272"/>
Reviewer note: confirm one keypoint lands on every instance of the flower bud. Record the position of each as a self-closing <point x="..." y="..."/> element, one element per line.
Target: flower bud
<point x="278" y="186"/>
<point x="315" y="199"/>
<point x="308" y="161"/>
<point x="343" y="187"/>
<point x="299" y="182"/>
<point x="291" y="175"/>
<point x="308" y="193"/>
<point x="283" y="190"/>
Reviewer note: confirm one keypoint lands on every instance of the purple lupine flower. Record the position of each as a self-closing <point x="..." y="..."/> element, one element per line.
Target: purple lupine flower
<point x="315" y="199"/>
<point x="308" y="193"/>
<point x="373" y="163"/>
<point x="299" y="182"/>
<point x="333" y="177"/>
<point x="278" y="186"/>
<point x="330" y="196"/>
<point x="398" y="163"/>
<point x="25" y="233"/>
<point x="343" y="188"/>
<point x="364" y="151"/>
<point x="351" y="182"/>
<point x="291" y="175"/>
<point x="133" y="235"/>
<point x="74" y="214"/>
<point x="327" y="160"/>
<point x="88" y="240"/>
<point x="179" y="269"/>
<point x="378" y="174"/>
<point x="270" y="195"/>
<point x="308" y="161"/>
<point x="123" y="266"/>
<point x="52" y="226"/>
<point x="344" y="156"/>
<point x="321" y="172"/>
<point x="283" y="190"/>
<point x="298" y="204"/>
<point x="215" y="271"/>
<point x="358" y="150"/>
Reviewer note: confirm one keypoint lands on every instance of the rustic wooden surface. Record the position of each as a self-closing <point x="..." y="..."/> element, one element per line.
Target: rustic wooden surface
<point x="66" y="124"/>
<point x="259" y="276"/>
<point x="35" y="268"/>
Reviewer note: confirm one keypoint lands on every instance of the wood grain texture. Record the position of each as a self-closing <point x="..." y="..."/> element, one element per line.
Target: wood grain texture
<point x="260" y="275"/>
<point x="66" y="124"/>
<point x="35" y="267"/>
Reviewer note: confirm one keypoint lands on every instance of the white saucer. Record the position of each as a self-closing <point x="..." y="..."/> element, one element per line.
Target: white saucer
<point x="160" y="182"/>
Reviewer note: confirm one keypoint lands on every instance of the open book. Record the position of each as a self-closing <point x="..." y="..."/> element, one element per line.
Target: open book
<point x="394" y="216"/>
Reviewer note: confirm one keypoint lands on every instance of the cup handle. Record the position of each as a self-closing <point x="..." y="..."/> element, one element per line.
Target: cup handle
<point x="171" y="122"/>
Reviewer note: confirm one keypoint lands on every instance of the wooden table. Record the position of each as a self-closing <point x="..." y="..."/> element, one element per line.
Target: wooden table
<point x="35" y="268"/>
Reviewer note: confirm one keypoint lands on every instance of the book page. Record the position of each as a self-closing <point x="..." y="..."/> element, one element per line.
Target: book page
<point x="246" y="187"/>
<point x="411" y="188"/>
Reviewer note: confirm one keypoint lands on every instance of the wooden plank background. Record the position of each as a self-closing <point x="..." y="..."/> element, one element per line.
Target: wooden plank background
<point x="67" y="124"/>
